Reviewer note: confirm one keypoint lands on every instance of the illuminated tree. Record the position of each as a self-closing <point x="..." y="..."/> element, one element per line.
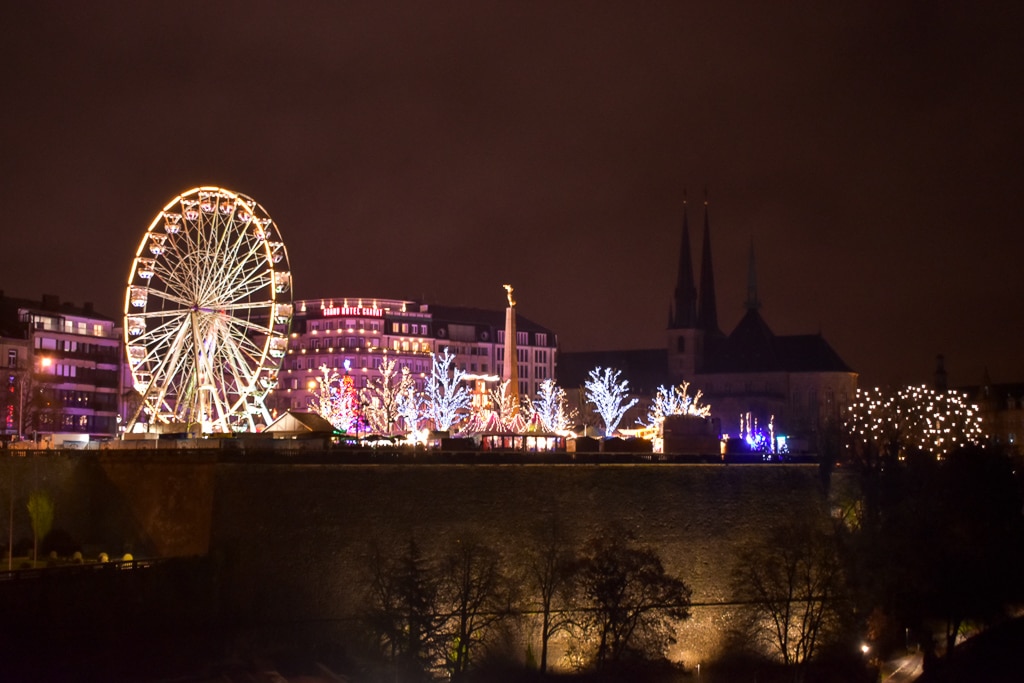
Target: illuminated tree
<point x="913" y="418"/>
<point x="446" y="396"/>
<point x="608" y="395"/>
<point x="335" y="399"/>
<point x="382" y="396"/>
<point x="503" y="404"/>
<point x="410" y="404"/>
<point x="551" y="407"/>
<point x="674" y="401"/>
<point x="40" y="510"/>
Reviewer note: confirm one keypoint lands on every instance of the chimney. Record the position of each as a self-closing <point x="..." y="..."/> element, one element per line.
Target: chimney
<point x="51" y="302"/>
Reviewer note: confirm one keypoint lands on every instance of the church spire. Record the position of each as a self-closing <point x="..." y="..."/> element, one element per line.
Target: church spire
<point x="707" y="309"/>
<point x="753" y="303"/>
<point x="684" y="300"/>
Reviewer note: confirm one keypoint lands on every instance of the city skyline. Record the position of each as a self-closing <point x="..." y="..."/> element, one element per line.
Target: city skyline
<point x="871" y="154"/>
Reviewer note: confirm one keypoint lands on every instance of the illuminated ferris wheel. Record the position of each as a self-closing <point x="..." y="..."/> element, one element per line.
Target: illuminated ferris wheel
<point x="207" y="312"/>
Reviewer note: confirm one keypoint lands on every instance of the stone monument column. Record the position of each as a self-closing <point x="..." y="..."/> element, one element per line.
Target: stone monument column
<point x="510" y="368"/>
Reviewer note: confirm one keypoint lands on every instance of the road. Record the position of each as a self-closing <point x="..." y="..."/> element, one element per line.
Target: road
<point x="903" y="669"/>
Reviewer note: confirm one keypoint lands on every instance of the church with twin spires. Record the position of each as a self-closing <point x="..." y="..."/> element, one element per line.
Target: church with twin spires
<point x="749" y="376"/>
<point x="751" y="373"/>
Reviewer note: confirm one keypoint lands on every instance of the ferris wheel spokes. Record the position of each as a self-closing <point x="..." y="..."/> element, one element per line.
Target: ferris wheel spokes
<point x="207" y="311"/>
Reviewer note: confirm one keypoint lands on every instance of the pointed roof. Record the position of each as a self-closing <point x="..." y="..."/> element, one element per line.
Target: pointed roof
<point x="299" y="422"/>
<point x="683" y="314"/>
<point x="749" y="348"/>
<point x="752" y="301"/>
<point x="707" y="308"/>
<point x="753" y="347"/>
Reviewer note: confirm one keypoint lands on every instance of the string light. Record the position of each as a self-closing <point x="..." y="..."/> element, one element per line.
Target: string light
<point x="608" y="395"/>
<point x="551" y="409"/>
<point x="915" y="417"/>
<point x="447" y="398"/>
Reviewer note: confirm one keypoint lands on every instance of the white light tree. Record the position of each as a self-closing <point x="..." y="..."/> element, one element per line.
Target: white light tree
<point x="446" y="396"/>
<point x="915" y="418"/>
<point x="334" y="400"/>
<point x="503" y="404"/>
<point x="674" y="401"/>
<point x="382" y="397"/>
<point x="551" y="407"/>
<point x="609" y="397"/>
<point x="410" y="405"/>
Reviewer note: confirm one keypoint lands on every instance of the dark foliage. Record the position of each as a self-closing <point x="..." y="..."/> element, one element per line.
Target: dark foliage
<point x="87" y="623"/>
<point x="628" y="604"/>
<point x="402" y="611"/>
<point x="939" y="540"/>
<point x="60" y="542"/>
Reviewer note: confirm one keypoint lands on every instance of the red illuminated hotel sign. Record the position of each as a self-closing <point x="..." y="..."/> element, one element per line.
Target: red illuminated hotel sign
<point x="354" y="311"/>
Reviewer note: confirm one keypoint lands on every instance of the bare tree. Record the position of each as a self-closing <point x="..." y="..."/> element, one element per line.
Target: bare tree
<point x="474" y="598"/>
<point x="792" y="584"/>
<point x="549" y="567"/>
<point x="630" y="603"/>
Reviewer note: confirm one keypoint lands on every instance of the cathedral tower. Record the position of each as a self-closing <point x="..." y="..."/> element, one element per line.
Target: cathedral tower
<point x="685" y="340"/>
<point x="707" y="308"/>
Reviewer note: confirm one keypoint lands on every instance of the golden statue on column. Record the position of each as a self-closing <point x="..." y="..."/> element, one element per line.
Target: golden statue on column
<point x="510" y="367"/>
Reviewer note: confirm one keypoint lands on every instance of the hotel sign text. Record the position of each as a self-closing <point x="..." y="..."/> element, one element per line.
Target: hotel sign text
<point x="355" y="311"/>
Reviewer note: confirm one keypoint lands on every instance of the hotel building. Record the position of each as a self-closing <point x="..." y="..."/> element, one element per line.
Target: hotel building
<point x="354" y="335"/>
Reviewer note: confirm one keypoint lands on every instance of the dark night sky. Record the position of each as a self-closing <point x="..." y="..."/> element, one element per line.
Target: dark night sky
<point x="872" y="150"/>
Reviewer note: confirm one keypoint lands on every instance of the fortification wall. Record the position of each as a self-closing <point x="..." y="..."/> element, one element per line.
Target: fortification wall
<point x="294" y="539"/>
<point x="299" y="538"/>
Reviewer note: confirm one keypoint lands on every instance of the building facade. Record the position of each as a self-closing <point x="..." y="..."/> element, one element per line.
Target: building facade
<point x="63" y="368"/>
<point x="1001" y="407"/>
<point x="354" y="335"/>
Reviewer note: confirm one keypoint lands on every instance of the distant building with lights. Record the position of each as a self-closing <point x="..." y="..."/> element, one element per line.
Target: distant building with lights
<point x="1001" y="407"/>
<point x="749" y="376"/>
<point x="62" y="370"/>
<point x="353" y="335"/>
